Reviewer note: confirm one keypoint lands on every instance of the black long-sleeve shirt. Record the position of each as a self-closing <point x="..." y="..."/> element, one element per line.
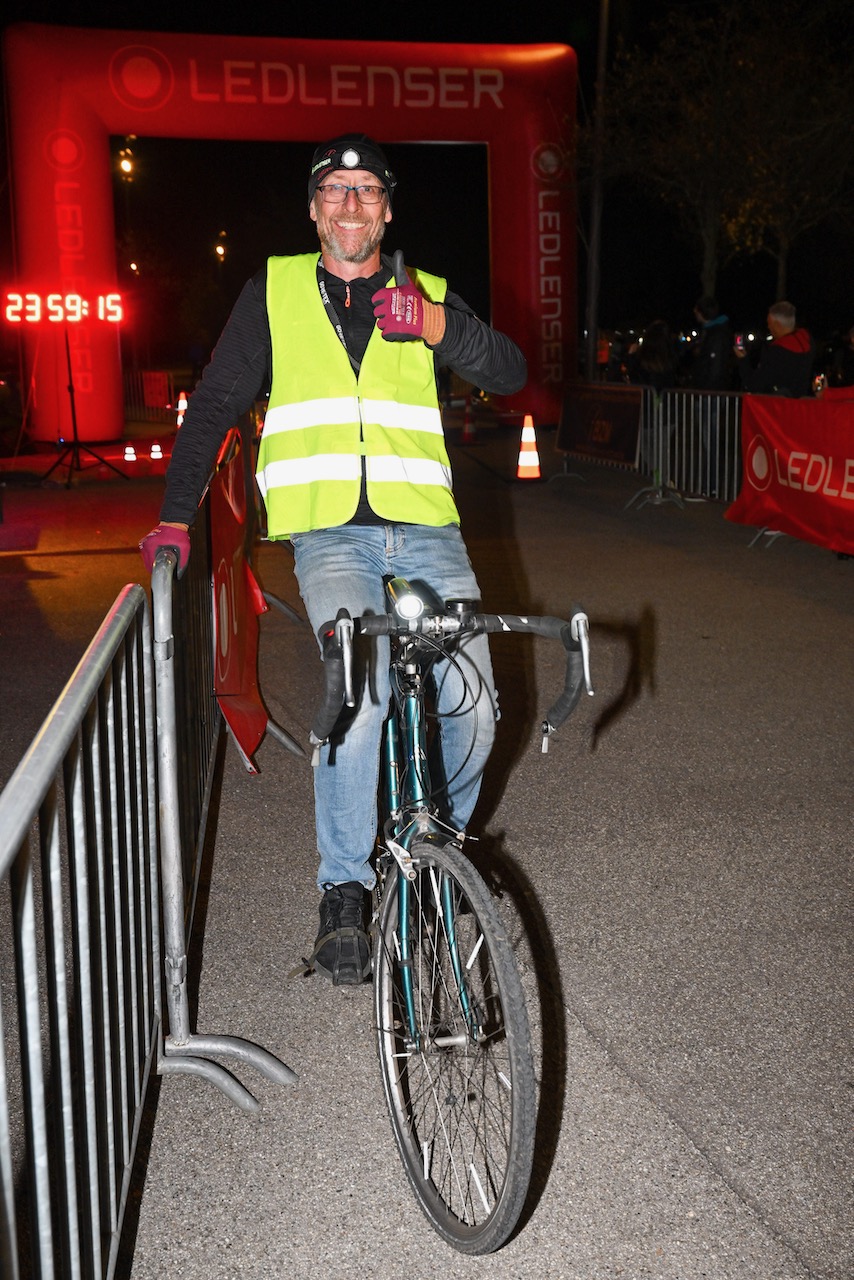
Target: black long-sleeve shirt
<point x="240" y="372"/>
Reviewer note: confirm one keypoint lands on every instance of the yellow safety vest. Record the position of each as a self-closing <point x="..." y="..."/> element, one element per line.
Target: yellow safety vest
<point x="322" y="420"/>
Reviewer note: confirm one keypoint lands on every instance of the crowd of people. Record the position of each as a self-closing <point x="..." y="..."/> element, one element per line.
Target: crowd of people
<point x="788" y="362"/>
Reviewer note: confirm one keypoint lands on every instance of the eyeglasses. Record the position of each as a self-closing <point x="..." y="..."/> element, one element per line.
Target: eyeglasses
<point x="337" y="193"/>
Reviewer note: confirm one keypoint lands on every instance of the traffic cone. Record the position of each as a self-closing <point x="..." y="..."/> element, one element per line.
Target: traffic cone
<point x="182" y="407"/>
<point x="156" y="452"/>
<point x="528" y="467"/>
<point x="130" y="453"/>
<point x="468" y="436"/>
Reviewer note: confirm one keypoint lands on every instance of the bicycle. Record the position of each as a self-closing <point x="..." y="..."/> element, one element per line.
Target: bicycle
<point x="452" y="1028"/>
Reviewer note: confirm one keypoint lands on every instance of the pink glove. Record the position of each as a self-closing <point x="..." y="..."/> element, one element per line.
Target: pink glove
<point x="166" y="535"/>
<point x="399" y="312"/>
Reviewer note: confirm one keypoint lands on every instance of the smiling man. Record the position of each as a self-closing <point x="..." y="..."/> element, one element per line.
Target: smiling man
<point x="351" y="214"/>
<point x="355" y="475"/>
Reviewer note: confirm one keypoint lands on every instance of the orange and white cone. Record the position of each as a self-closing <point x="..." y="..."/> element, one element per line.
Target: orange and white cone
<point x="528" y="467"/>
<point x="468" y="435"/>
<point x="182" y="407"/>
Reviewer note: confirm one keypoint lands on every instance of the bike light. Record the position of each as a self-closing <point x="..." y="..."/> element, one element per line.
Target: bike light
<point x="407" y="605"/>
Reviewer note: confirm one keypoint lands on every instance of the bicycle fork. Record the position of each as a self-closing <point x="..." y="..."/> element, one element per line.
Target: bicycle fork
<point x="407" y="781"/>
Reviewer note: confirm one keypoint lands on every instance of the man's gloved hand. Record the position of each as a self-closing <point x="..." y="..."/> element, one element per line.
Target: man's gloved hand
<point x="399" y="312"/>
<point x="403" y="313"/>
<point x="166" y="535"/>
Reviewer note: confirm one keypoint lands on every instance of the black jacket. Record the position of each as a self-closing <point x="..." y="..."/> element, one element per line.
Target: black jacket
<point x="711" y="363"/>
<point x="784" y="368"/>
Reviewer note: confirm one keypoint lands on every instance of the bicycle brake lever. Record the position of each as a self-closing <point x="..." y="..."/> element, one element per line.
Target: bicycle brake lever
<point x="344" y="637"/>
<point x="580" y="632"/>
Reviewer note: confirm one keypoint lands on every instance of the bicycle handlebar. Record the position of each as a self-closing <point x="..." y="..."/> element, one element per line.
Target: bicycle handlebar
<point x="336" y="639"/>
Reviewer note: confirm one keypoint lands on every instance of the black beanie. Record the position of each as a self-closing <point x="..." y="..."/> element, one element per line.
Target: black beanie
<point x="350" y="151"/>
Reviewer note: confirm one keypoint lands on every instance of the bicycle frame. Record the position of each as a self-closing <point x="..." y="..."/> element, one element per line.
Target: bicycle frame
<point x="453" y="1035"/>
<point x="406" y="787"/>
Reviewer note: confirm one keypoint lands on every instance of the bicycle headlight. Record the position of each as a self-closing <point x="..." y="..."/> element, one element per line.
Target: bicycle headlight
<point x="407" y="605"/>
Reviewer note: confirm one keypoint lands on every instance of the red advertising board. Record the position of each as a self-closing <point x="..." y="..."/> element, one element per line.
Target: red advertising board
<point x="798" y="469"/>
<point x="237" y="603"/>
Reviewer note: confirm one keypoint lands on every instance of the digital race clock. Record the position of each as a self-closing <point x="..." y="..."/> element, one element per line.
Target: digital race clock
<point x="61" y="308"/>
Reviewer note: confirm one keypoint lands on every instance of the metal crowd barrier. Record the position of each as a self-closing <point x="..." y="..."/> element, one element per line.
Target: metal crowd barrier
<point x="690" y="446"/>
<point x="102" y="830"/>
<point x="185" y="1051"/>
<point x="149" y="396"/>
<point x="80" y="1002"/>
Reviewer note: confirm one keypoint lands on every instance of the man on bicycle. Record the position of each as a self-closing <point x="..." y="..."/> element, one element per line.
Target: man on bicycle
<point x="354" y="473"/>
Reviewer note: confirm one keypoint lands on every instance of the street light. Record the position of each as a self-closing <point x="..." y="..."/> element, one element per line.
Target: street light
<point x="126" y="161"/>
<point x="220" y="246"/>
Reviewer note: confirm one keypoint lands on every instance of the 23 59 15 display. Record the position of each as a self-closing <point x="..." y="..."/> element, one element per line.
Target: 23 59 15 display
<point x="61" y="308"/>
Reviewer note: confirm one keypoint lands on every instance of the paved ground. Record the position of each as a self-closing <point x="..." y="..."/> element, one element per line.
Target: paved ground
<point x="676" y="872"/>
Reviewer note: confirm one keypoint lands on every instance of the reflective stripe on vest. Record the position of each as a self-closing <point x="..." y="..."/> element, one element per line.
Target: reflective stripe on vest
<point x="310" y="458"/>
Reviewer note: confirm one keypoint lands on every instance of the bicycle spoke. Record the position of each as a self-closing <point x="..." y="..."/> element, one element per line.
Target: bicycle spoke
<point x="460" y="1082"/>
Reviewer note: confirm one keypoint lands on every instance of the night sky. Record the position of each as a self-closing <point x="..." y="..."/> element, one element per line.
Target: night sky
<point x="186" y="192"/>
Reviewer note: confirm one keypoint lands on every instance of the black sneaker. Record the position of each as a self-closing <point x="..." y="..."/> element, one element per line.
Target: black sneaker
<point x="342" y="951"/>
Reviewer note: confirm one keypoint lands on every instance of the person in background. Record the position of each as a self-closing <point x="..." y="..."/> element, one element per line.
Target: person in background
<point x="785" y="363"/>
<point x="710" y="358"/>
<point x="841" y="372"/>
<point x="355" y="476"/>
<point x="651" y="361"/>
<point x="711" y="369"/>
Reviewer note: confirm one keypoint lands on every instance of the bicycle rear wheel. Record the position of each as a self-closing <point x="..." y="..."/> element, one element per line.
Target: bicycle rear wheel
<point x="455" y="1049"/>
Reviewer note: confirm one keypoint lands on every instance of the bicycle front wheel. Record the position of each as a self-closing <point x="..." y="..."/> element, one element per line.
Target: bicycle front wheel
<point x="455" y="1049"/>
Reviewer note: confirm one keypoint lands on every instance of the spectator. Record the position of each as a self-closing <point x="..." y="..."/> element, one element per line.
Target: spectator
<point x="785" y="363"/>
<point x="651" y="361"/>
<point x="711" y="367"/>
<point x="842" y="368"/>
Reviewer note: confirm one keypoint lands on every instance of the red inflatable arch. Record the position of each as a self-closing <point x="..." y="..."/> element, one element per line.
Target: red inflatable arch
<point x="69" y="89"/>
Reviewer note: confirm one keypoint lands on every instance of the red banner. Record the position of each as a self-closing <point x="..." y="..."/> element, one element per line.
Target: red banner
<point x="237" y="603"/>
<point x="798" y="460"/>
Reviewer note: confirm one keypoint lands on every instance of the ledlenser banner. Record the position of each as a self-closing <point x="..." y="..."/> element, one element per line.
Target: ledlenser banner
<point x="70" y="90"/>
<point x="798" y="460"/>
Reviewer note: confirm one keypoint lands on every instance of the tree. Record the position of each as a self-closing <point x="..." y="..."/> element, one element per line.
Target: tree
<point x="672" y="123"/>
<point x="739" y="118"/>
<point x="797" y="115"/>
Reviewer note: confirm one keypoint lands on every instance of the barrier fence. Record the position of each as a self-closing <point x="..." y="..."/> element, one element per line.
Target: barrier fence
<point x="149" y="395"/>
<point x="686" y="442"/>
<point x="78" y="866"/>
<point x="690" y="442"/>
<point x="102" y="831"/>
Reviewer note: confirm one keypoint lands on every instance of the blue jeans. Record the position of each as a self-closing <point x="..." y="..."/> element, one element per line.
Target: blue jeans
<point x="345" y="567"/>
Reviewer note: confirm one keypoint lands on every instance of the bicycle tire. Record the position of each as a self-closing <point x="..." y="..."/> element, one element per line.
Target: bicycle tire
<point x="462" y="1104"/>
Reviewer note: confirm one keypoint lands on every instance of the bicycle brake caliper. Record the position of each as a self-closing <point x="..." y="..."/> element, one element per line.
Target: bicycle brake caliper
<point x="402" y="858"/>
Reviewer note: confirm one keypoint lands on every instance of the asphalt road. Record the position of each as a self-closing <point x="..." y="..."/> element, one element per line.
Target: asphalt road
<point x="675" y="873"/>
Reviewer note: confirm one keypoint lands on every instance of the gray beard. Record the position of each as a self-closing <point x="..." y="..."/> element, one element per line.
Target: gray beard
<point x="331" y="246"/>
